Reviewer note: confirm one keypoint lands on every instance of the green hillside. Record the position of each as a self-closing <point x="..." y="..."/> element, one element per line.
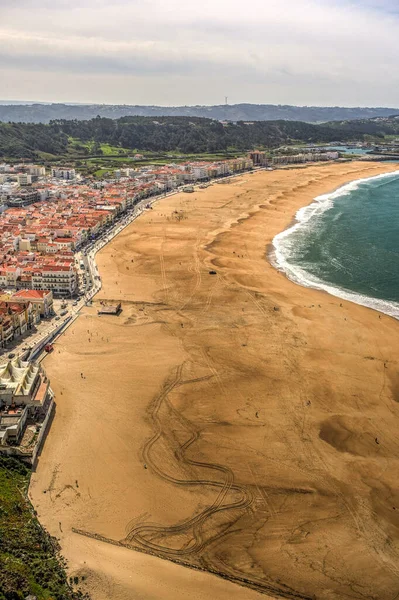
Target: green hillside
<point x="28" y="556"/>
<point x="187" y="135"/>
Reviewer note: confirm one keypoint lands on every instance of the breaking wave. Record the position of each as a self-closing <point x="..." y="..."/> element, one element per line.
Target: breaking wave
<point x="285" y="247"/>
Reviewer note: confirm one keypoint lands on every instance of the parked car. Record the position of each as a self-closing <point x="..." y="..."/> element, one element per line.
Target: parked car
<point x="11" y="355"/>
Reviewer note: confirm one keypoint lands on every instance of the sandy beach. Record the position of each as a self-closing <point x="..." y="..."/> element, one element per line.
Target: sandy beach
<point x="231" y="421"/>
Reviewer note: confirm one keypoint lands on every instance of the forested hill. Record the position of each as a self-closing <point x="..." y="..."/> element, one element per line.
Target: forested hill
<point x="44" y="113"/>
<point x="182" y="134"/>
<point x="192" y="134"/>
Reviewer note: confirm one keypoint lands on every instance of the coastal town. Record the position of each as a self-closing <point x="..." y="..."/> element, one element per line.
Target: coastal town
<point x="53" y="221"/>
<point x="51" y="226"/>
<point x="47" y="218"/>
<point x="199" y="300"/>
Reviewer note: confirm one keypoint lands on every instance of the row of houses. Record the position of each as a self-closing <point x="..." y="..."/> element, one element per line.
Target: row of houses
<point x="21" y="311"/>
<point x="38" y="242"/>
<point x="47" y="223"/>
<point x="58" y="275"/>
<point x="291" y="159"/>
<point x="173" y="175"/>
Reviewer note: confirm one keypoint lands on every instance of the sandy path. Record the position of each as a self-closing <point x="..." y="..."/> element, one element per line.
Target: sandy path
<point x="206" y="427"/>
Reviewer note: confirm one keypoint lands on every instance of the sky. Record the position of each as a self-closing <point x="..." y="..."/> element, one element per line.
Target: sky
<point x="185" y="52"/>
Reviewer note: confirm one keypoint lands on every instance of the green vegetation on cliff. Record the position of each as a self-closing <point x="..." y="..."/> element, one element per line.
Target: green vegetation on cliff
<point x="29" y="564"/>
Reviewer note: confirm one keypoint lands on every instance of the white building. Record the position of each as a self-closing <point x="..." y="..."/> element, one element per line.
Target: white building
<point x="44" y="194"/>
<point x="37" y="171"/>
<point x="9" y="187"/>
<point x="63" y="173"/>
<point x="9" y="276"/>
<point x="59" y="279"/>
<point x="24" y="179"/>
<point x="127" y="172"/>
<point x="200" y="172"/>
<point x="24" y="392"/>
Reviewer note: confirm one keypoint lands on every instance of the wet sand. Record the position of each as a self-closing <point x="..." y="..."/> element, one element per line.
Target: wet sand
<point x="234" y="422"/>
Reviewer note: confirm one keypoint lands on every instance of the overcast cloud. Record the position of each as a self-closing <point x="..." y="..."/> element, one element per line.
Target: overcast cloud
<point x="180" y="52"/>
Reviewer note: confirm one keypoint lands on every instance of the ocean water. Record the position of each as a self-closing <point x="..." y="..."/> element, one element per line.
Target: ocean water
<point x="350" y="151"/>
<point x="347" y="243"/>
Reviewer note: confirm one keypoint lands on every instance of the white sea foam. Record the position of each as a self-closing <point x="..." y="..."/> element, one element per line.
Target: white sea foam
<point x="284" y="248"/>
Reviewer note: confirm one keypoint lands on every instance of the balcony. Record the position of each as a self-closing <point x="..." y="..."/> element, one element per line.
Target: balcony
<point x="8" y="334"/>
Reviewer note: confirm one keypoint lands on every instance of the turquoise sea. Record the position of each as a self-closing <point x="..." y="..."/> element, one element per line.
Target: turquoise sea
<point x="347" y="243"/>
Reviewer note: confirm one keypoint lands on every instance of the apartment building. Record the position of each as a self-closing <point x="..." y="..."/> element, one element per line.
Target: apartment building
<point x="65" y="173"/>
<point x="6" y="329"/>
<point x="20" y="311"/>
<point x="24" y="179"/>
<point x="304" y="158"/>
<point x="8" y="276"/>
<point x="200" y="171"/>
<point x="61" y="279"/>
<point x="15" y="320"/>
<point x="36" y="171"/>
<point x="23" y="197"/>
<point x="258" y="158"/>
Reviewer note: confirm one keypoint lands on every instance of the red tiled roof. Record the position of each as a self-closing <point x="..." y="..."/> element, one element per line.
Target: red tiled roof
<point x="31" y="294"/>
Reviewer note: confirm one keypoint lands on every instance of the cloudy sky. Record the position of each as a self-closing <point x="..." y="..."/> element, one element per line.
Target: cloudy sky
<point x="319" y="52"/>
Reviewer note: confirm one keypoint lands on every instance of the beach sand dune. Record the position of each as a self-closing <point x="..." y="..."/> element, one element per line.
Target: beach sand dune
<point x="228" y="419"/>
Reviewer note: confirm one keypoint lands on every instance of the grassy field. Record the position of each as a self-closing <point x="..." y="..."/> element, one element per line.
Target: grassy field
<point x="100" y="173"/>
<point x="95" y="152"/>
<point x="86" y="148"/>
<point x="28" y="557"/>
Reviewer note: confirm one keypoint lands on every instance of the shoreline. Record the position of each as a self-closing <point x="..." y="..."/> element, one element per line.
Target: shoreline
<point x="281" y="383"/>
<point x="387" y="307"/>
